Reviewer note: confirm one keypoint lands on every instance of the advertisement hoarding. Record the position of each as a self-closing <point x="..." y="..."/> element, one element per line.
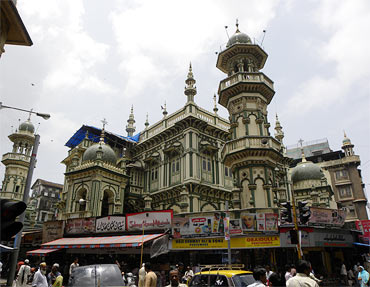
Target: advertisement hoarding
<point x="80" y="225"/>
<point x="110" y="224"/>
<point x="327" y="216"/>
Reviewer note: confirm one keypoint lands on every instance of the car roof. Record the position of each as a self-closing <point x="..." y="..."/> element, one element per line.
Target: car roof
<point x="227" y="273"/>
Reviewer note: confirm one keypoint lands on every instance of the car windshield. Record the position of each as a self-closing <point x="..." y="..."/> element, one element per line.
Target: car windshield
<point x="96" y="275"/>
<point x="243" y="280"/>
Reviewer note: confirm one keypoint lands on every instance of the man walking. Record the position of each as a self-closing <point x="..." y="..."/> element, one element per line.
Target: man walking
<point x="175" y="280"/>
<point x="142" y="274"/>
<point x="150" y="277"/>
<point x="303" y="276"/>
<point x="73" y="266"/>
<point x="259" y="274"/>
<point x="54" y="274"/>
<point x="39" y="280"/>
<point x="23" y="273"/>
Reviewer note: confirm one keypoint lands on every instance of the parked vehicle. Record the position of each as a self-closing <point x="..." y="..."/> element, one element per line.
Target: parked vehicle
<point x="99" y="275"/>
<point x="224" y="277"/>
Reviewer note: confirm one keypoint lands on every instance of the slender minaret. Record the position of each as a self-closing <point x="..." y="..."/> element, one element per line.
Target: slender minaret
<point x="190" y="89"/>
<point x="130" y="128"/>
<point x="165" y="113"/>
<point x="215" y="109"/>
<point x="279" y="134"/>
<point x="347" y="146"/>
<point x="146" y="122"/>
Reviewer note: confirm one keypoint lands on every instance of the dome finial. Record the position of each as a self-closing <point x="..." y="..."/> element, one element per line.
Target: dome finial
<point x="102" y="135"/>
<point x="302" y="151"/>
<point x="29" y="116"/>
<point x="237" y="26"/>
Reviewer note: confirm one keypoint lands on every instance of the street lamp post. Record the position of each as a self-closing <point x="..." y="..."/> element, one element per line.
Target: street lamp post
<point x="26" y="195"/>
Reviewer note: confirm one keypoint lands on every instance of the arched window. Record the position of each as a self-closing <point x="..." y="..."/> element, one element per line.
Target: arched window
<point x="107" y="203"/>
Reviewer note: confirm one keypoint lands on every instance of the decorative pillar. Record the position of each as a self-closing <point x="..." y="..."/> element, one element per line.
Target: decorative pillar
<point x="184" y="199"/>
<point x="148" y="202"/>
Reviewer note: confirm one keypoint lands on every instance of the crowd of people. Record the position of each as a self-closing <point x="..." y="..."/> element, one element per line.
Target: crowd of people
<point x="300" y="274"/>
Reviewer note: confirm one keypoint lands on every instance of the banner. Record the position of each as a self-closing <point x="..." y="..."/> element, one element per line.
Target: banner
<point x="80" y="225"/>
<point x="52" y="230"/>
<point x="260" y="221"/>
<point x="327" y="216"/>
<point x="364" y="227"/>
<point x="235" y="227"/>
<point x="332" y="239"/>
<point x="110" y="224"/>
<point x="199" y="226"/>
<point x="150" y="220"/>
<point x="221" y="243"/>
<point x="227" y="227"/>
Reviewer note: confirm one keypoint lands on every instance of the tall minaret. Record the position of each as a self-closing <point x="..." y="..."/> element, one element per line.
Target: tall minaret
<point x="252" y="153"/>
<point x="190" y="89"/>
<point x="130" y="128"/>
<point x="17" y="161"/>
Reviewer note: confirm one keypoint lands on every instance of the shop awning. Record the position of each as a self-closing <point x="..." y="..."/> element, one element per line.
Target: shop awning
<point x="361" y="244"/>
<point x="41" y="252"/>
<point x="4" y="248"/>
<point x="101" y="242"/>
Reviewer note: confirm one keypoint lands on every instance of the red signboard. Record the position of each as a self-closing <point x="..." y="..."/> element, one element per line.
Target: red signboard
<point x="364" y="227"/>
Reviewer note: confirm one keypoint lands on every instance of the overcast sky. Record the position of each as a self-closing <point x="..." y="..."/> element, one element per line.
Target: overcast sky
<point x="94" y="59"/>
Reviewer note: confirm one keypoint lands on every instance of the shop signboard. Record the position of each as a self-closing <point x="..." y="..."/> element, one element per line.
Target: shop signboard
<point x="110" y="224"/>
<point x="364" y="227"/>
<point x="221" y="243"/>
<point x="286" y="239"/>
<point x="332" y="239"/>
<point x="199" y="226"/>
<point x="260" y="222"/>
<point x="327" y="216"/>
<point x="150" y="220"/>
<point x="52" y="230"/>
<point x="80" y="225"/>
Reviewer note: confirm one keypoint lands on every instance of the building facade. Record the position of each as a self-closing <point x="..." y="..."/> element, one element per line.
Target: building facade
<point x="44" y="200"/>
<point x="341" y="171"/>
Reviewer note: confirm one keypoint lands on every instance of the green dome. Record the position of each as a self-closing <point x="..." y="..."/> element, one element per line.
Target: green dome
<point x="346" y="141"/>
<point x="306" y="170"/>
<point x="108" y="154"/>
<point x="237" y="38"/>
<point x="27" y="126"/>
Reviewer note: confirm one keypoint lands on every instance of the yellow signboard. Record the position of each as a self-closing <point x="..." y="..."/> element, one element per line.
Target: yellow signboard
<point x="221" y="243"/>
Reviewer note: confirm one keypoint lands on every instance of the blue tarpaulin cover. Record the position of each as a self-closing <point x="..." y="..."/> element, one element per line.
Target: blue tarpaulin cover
<point x="94" y="135"/>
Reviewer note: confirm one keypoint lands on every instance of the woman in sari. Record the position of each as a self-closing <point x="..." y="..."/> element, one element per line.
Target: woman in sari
<point x="363" y="276"/>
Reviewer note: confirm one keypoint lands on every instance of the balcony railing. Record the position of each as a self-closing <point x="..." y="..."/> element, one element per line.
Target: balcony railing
<point x="243" y="77"/>
<point x="250" y="142"/>
<point x="16" y="156"/>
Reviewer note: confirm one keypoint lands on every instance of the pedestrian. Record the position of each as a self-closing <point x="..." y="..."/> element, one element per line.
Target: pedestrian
<point x="302" y="278"/>
<point x="39" y="280"/>
<point x="259" y="274"/>
<point x="180" y="268"/>
<point x="343" y="274"/>
<point x="188" y="274"/>
<point x="142" y="274"/>
<point x="293" y="270"/>
<point x="268" y="271"/>
<point x="23" y="274"/>
<point x="351" y="277"/>
<point x="175" y="280"/>
<point x="150" y="277"/>
<point x="288" y="272"/>
<point x="73" y="266"/>
<point x="53" y="274"/>
<point x="363" y="276"/>
<point x="274" y="280"/>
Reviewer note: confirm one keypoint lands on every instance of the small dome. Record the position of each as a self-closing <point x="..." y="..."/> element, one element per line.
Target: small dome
<point x="108" y="153"/>
<point x="346" y="141"/>
<point x="27" y="126"/>
<point x="237" y="38"/>
<point x="305" y="171"/>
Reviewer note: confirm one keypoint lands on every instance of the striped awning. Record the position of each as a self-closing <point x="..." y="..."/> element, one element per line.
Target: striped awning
<point x="41" y="252"/>
<point x="100" y="242"/>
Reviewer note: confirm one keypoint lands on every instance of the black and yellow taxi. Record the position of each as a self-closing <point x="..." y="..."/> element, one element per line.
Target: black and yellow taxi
<point x="222" y="276"/>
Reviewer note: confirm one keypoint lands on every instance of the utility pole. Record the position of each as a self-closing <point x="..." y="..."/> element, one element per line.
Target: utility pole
<point x="26" y="196"/>
<point x="296" y="224"/>
<point x="228" y="241"/>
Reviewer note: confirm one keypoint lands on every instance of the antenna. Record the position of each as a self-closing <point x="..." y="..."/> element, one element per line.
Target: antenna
<point x="263" y="38"/>
<point x="227" y="32"/>
<point x="37" y="128"/>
